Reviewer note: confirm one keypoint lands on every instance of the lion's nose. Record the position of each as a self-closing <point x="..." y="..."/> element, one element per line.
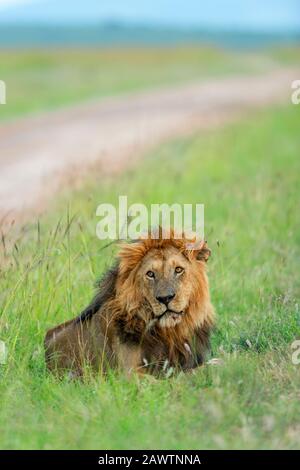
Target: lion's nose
<point x="165" y="299"/>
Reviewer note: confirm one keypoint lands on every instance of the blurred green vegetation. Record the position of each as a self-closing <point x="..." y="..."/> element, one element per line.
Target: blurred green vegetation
<point x="40" y="79"/>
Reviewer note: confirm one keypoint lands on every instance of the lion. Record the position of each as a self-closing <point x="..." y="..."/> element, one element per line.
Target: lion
<point x="152" y="313"/>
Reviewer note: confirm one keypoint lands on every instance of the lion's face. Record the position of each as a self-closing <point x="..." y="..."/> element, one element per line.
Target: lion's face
<point x="164" y="280"/>
<point x="163" y="283"/>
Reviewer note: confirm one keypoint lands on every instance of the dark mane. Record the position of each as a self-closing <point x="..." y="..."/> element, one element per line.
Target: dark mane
<point x="106" y="291"/>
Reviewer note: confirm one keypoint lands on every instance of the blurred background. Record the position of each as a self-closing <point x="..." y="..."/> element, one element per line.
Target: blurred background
<point x="55" y="52"/>
<point x="61" y="53"/>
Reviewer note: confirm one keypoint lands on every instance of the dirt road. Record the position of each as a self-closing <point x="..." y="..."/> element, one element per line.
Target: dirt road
<point x="37" y="153"/>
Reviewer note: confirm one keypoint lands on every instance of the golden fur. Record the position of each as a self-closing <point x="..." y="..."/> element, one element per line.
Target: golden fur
<point x="152" y="312"/>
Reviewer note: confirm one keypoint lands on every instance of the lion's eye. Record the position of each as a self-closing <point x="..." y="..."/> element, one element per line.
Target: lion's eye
<point x="150" y="274"/>
<point x="179" y="270"/>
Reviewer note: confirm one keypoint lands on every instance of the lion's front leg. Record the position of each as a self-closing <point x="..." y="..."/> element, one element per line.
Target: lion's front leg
<point x="129" y="359"/>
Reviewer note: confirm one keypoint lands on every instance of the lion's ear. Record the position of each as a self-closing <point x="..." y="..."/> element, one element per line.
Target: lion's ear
<point x="203" y="253"/>
<point x="130" y="255"/>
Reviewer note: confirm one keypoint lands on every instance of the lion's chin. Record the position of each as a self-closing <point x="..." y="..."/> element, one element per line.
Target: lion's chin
<point x="168" y="321"/>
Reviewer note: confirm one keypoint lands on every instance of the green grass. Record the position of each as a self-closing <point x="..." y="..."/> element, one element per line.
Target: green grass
<point x="38" y="80"/>
<point x="247" y="175"/>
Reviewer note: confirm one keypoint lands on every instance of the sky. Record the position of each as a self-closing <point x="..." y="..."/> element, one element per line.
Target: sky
<point x="258" y="15"/>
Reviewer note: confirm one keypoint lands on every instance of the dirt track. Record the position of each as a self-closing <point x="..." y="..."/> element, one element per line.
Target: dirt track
<point x="38" y="153"/>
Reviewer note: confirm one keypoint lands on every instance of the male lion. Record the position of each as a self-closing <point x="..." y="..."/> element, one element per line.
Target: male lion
<point x="152" y="312"/>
